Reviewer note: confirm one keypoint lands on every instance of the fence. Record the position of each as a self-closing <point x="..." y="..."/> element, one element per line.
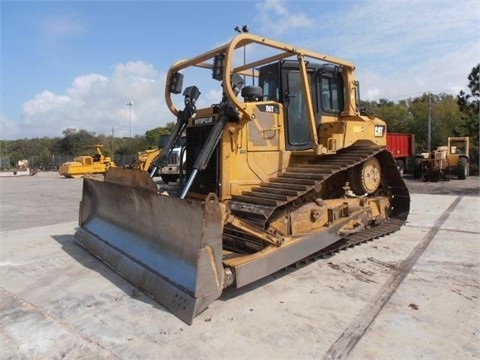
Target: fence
<point x="4" y="162"/>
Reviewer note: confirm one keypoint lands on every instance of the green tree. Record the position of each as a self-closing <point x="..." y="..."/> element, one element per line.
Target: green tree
<point x="469" y="104"/>
<point x="75" y="143"/>
<point x="153" y="136"/>
<point x="412" y="116"/>
<point x="447" y="116"/>
<point x="396" y="115"/>
<point x="130" y="146"/>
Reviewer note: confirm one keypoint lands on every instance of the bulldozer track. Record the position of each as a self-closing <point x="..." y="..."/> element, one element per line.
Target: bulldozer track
<point x="301" y="183"/>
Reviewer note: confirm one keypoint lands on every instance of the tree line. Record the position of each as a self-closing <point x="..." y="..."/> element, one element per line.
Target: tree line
<point x="75" y="142"/>
<point x="448" y="115"/>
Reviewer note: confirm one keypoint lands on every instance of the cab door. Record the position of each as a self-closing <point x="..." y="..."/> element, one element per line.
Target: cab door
<point x="298" y="135"/>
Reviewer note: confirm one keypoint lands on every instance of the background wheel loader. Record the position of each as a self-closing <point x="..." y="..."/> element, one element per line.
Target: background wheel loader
<point x="277" y="172"/>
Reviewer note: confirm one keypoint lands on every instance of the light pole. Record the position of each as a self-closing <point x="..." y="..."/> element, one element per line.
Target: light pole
<point x="242" y="30"/>
<point x="429" y="128"/>
<point x="130" y="104"/>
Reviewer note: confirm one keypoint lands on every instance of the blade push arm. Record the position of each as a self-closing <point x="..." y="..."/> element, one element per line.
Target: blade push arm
<point x="191" y="95"/>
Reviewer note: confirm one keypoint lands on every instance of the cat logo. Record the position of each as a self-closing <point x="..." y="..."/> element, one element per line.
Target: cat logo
<point x="379" y="130"/>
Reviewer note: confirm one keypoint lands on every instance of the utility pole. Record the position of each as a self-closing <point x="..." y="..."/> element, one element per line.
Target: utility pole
<point x="130" y="104"/>
<point x="113" y="142"/>
<point x="429" y="132"/>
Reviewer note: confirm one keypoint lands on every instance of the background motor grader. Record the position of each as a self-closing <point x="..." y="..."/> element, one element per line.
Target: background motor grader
<point x="277" y="172"/>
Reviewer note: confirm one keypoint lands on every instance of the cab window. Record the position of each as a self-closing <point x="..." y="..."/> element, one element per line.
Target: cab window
<point x="331" y="92"/>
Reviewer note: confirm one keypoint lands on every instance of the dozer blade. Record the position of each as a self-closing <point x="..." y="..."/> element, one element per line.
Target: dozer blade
<point x="170" y="248"/>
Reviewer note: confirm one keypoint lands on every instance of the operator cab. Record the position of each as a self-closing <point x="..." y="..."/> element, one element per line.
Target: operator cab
<point x="281" y="82"/>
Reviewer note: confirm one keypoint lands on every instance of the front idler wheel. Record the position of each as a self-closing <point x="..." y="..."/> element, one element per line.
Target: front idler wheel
<point x="366" y="177"/>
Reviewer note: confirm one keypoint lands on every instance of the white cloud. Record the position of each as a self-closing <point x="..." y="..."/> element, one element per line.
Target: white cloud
<point x="212" y="96"/>
<point x="400" y="48"/>
<point x="83" y="86"/>
<point x="442" y="74"/>
<point x="275" y="18"/>
<point x="61" y="26"/>
<point x="97" y="103"/>
<point x="44" y="102"/>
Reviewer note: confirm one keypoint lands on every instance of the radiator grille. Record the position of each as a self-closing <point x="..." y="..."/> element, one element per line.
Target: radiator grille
<point x="174" y="158"/>
<point x="206" y="180"/>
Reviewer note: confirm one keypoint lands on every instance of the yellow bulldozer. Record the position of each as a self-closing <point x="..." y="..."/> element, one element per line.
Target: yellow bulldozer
<point x="86" y="164"/>
<point x="278" y="172"/>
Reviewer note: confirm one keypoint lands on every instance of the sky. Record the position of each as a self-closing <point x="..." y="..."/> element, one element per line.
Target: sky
<point x="76" y="64"/>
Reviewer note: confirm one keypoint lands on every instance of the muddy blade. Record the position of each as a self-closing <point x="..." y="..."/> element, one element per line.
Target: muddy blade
<point x="170" y="248"/>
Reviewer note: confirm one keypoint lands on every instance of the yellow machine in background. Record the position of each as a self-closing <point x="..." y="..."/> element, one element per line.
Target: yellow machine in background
<point x="445" y="161"/>
<point x="172" y="167"/>
<point x="145" y="158"/>
<point x="86" y="165"/>
<point x="22" y="168"/>
<point x="458" y="156"/>
<point x="277" y="172"/>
